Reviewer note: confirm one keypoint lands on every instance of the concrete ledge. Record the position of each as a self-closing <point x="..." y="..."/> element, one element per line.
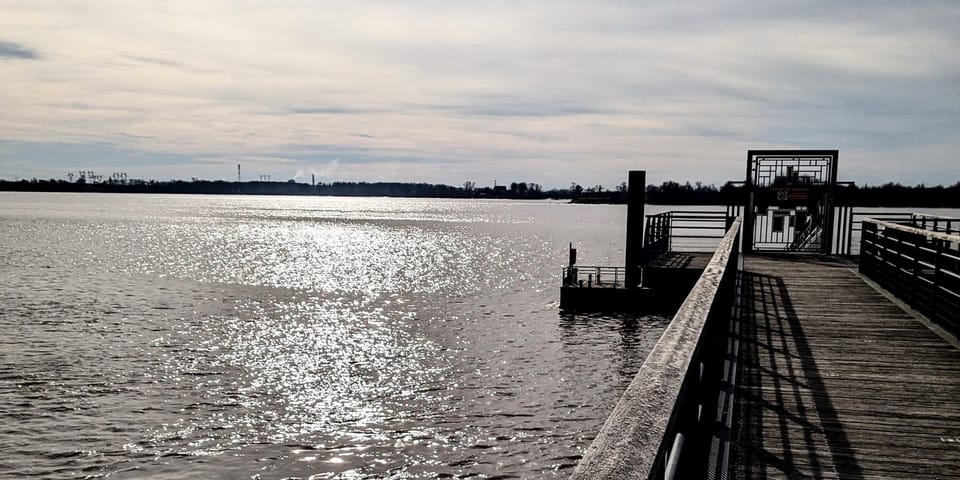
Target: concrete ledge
<point x="630" y="443"/>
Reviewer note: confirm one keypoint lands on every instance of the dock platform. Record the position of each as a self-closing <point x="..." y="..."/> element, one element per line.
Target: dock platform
<point x="835" y="380"/>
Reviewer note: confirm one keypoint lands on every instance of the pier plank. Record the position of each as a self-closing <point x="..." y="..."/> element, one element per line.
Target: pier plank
<point x="836" y="381"/>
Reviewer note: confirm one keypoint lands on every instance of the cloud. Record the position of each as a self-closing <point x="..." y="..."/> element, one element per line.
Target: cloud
<point x="155" y="61"/>
<point x="15" y="50"/>
<point x="442" y="92"/>
<point x="327" y="110"/>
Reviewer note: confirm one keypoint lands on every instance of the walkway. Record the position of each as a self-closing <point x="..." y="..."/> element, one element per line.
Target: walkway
<point x="836" y="381"/>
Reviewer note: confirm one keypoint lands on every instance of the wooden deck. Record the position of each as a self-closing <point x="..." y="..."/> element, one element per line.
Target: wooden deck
<point x="837" y="381"/>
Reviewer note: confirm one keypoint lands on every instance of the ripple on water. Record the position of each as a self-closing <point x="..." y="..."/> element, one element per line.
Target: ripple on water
<point x="197" y="337"/>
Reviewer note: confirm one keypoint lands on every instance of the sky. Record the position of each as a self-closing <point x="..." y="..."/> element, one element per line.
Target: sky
<point x="452" y="91"/>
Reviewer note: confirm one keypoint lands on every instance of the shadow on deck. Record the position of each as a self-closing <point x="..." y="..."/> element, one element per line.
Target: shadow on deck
<point x="835" y="381"/>
<point x="784" y="420"/>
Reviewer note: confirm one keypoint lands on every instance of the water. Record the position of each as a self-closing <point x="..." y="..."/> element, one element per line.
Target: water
<point x="278" y="337"/>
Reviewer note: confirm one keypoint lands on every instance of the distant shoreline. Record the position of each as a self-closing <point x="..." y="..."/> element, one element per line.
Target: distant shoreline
<point x="343" y="189"/>
<point x="669" y="193"/>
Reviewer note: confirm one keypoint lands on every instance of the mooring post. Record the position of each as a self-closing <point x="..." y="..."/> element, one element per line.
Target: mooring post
<point x="637" y="190"/>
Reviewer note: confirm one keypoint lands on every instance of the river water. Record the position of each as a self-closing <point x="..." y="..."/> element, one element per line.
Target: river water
<point x="154" y="336"/>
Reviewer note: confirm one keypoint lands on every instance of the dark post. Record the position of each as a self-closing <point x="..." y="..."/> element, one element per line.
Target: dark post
<point x="637" y="190"/>
<point x="828" y="211"/>
<point x="748" y="213"/>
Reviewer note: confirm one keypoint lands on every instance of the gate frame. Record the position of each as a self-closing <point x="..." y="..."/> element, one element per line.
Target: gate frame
<point x="749" y="217"/>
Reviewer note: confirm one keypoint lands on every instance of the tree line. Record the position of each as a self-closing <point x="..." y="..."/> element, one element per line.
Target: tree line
<point x="219" y="187"/>
<point x="667" y="193"/>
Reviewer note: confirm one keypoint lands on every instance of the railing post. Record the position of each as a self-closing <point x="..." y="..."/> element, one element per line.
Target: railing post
<point x="866" y="249"/>
<point x="882" y="254"/>
<point x="850" y="234"/>
<point x="935" y="301"/>
<point x="665" y="231"/>
<point x="915" y="281"/>
<point x="669" y="232"/>
<point x="901" y="261"/>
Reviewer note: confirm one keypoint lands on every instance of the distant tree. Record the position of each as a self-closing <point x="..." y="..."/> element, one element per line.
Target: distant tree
<point x="668" y="193"/>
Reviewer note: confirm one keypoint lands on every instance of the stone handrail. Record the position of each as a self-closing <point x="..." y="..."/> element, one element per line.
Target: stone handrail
<point x="643" y="435"/>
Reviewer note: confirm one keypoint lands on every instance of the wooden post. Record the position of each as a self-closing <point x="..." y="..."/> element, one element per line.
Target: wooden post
<point x="633" y="251"/>
<point x="935" y="300"/>
<point x="915" y="281"/>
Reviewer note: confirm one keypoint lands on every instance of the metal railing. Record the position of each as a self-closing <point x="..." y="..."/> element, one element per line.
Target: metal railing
<point x="935" y="223"/>
<point x="680" y="230"/>
<point x="683" y="230"/>
<point x="849" y="226"/>
<point x="662" y="426"/>
<point x="593" y="276"/>
<point x="920" y="266"/>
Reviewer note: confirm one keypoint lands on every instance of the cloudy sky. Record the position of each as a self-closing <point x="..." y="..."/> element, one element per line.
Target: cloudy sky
<point x="448" y="91"/>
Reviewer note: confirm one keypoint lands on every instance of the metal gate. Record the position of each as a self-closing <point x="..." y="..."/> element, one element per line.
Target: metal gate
<point x="790" y="200"/>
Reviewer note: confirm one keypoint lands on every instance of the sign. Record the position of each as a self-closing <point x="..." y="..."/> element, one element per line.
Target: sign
<point x="792" y="194"/>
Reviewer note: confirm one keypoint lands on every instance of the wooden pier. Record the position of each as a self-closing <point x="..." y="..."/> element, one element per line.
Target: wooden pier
<point x="788" y="360"/>
<point x="838" y="381"/>
<point x="797" y="366"/>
